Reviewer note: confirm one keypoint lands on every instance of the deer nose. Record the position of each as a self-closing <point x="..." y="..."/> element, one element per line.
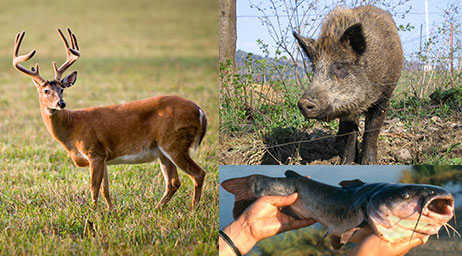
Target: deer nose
<point x="61" y="104"/>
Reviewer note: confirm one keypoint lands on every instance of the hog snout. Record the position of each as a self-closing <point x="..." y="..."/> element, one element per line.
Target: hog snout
<point x="309" y="107"/>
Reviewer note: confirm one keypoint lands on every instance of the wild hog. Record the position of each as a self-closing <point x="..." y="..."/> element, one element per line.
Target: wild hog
<point x="357" y="61"/>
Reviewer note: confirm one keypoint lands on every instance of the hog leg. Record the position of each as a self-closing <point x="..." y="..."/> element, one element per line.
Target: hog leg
<point x="347" y="133"/>
<point x="375" y="116"/>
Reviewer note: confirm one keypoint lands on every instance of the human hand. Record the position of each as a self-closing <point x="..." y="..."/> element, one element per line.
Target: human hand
<point x="261" y="220"/>
<point x="369" y="244"/>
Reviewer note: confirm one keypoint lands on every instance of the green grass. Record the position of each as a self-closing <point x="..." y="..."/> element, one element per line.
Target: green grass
<point x="130" y="50"/>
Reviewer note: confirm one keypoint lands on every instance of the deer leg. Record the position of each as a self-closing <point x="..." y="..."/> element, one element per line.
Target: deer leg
<point x="105" y="188"/>
<point x="172" y="182"/>
<point x="97" y="168"/>
<point x="183" y="161"/>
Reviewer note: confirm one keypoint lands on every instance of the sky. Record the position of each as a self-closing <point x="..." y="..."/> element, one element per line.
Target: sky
<point x="250" y="28"/>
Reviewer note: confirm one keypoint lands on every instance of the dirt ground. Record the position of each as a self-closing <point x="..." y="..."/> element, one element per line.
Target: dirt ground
<point x="428" y="140"/>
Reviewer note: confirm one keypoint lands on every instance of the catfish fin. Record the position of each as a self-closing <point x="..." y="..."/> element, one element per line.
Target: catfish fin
<point x="292" y="174"/>
<point x="288" y="211"/>
<point x="347" y="235"/>
<point x="241" y="205"/>
<point x="243" y="193"/>
<point x="322" y="238"/>
<point x="335" y="242"/>
<point x="351" y="183"/>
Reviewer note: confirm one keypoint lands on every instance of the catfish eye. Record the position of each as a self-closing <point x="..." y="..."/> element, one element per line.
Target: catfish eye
<point x="339" y="70"/>
<point x="405" y="195"/>
<point x="46" y="91"/>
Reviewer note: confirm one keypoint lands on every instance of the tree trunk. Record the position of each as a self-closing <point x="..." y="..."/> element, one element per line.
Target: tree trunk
<point x="228" y="34"/>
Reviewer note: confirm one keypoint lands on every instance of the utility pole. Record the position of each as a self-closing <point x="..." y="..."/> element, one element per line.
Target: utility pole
<point x="452" y="59"/>
<point x="420" y="39"/>
<point x="427" y="21"/>
<point x="227" y="49"/>
<point x="228" y="37"/>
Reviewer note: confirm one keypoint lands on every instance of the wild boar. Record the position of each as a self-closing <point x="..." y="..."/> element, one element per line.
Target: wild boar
<point x="357" y="61"/>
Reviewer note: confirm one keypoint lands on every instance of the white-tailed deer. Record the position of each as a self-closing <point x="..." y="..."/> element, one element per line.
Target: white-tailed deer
<point x="163" y="127"/>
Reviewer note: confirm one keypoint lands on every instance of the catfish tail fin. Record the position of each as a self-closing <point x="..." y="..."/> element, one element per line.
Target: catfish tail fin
<point x="243" y="193"/>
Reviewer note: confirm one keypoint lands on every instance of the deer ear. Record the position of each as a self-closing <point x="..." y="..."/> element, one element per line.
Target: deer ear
<point x="69" y="80"/>
<point x="355" y="37"/>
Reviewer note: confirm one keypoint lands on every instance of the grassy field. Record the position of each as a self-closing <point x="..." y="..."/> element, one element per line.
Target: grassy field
<point x="129" y="50"/>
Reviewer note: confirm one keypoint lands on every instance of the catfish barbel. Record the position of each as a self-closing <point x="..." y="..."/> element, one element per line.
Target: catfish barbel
<point x="395" y="212"/>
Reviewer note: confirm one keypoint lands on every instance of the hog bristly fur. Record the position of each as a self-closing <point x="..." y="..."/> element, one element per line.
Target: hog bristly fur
<point x="357" y="61"/>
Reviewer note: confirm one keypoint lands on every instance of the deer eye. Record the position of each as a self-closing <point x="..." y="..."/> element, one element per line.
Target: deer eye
<point x="46" y="91"/>
<point x="61" y="90"/>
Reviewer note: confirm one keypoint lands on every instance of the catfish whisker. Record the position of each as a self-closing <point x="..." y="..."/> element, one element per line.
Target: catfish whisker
<point x="415" y="228"/>
<point x="447" y="230"/>
<point x="455" y="231"/>
<point x="455" y="220"/>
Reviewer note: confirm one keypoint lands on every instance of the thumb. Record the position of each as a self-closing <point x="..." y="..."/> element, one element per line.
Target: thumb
<point x="281" y="201"/>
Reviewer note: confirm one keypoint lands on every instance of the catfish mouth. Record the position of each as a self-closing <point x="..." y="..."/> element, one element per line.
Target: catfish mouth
<point x="423" y="215"/>
<point x="439" y="208"/>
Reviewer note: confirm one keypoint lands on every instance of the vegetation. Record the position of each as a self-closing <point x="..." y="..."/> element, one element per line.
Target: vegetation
<point x="130" y="50"/>
<point x="299" y="242"/>
<point x="261" y="124"/>
<point x="432" y="174"/>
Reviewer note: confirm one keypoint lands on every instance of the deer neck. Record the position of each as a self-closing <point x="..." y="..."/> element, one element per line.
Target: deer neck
<point x="58" y="124"/>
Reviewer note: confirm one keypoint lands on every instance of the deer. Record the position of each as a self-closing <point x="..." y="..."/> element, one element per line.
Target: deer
<point x="162" y="127"/>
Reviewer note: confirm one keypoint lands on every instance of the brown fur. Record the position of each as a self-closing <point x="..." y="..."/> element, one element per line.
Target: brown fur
<point x="99" y="134"/>
<point x="136" y="132"/>
<point x="357" y="62"/>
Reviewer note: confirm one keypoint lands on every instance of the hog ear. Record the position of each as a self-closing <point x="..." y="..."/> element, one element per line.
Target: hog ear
<point x="355" y="37"/>
<point x="69" y="80"/>
<point x="306" y="44"/>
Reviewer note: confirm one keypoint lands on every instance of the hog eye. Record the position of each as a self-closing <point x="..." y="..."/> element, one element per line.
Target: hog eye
<point x="339" y="70"/>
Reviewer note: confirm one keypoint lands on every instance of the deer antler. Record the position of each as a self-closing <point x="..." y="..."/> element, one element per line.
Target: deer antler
<point x="72" y="53"/>
<point x="34" y="72"/>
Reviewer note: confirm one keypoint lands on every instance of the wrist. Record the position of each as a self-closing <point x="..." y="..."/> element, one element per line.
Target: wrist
<point x="239" y="233"/>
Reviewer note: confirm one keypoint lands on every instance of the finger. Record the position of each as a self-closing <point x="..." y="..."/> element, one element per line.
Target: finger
<point x="361" y="234"/>
<point x="301" y="224"/>
<point x="295" y="224"/>
<point x="280" y="201"/>
<point x="404" y="247"/>
<point x="415" y="242"/>
<point x="425" y="239"/>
